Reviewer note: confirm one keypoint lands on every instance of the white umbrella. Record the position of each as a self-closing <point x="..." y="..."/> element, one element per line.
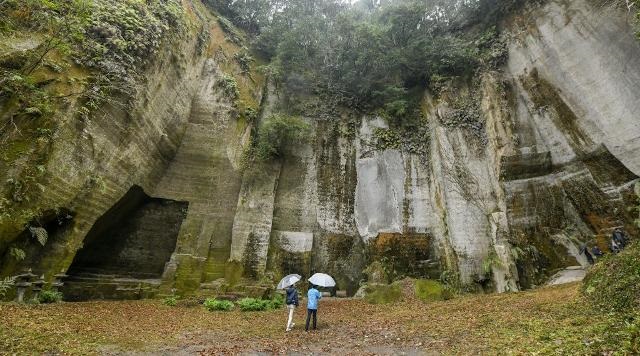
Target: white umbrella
<point x="289" y="281"/>
<point x="322" y="280"/>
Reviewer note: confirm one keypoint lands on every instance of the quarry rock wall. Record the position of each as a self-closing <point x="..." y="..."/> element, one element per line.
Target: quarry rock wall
<point x="498" y="208"/>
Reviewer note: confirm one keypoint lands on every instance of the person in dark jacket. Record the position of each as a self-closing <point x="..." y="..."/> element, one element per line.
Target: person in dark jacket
<point x="589" y="256"/>
<point x="292" y="303"/>
<point x="584" y="249"/>
<point x="619" y="237"/>
<point x="613" y="246"/>
<point x="596" y="251"/>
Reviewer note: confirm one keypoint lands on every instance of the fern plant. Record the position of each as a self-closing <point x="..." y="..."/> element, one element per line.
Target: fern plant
<point x="170" y="301"/>
<point x="490" y="262"/>
<point x="5" y="285"/>
<point x="17" y="253"/>
<point x="39" y="234"/>
<point x="213" y="304"/>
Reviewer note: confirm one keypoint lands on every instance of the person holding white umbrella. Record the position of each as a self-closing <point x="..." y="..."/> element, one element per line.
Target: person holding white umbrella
<point x="289" y="282"/>
<point x="314" y="295"/>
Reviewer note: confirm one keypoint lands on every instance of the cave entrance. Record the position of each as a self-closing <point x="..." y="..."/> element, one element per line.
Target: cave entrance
<point x="130" y="243"/>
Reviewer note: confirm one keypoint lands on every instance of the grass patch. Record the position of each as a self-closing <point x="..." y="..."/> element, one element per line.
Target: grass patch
<point x="170" y="301"/>
<point x="613" y="284"/>
<point x="253" y="304"/>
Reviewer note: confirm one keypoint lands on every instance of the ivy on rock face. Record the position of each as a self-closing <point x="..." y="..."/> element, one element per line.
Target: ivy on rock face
<point x="116" y="39"/>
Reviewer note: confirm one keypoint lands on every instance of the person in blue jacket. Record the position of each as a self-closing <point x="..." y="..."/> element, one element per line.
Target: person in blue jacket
<point x="313" y="296"/>
<point x="292" y="303"/>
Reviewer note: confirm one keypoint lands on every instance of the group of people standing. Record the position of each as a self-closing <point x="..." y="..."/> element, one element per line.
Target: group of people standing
<point x="618" y="242"/>
<point x="313" y="296"/>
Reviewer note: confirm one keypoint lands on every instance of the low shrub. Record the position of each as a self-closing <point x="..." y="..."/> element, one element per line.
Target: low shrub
<point x="213" y="304"/>
<point x="170" y="301"/>
<point x="277" y="302"/>
<point x="230" y="86"/>
<point x="49" y="296"/>
<point x="5" y="285"/>
<point x="253" y="304"/>
<point x="277" y="133"/>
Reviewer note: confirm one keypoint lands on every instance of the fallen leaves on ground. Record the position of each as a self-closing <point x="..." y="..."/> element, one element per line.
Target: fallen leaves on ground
<point x="550" y="320"/>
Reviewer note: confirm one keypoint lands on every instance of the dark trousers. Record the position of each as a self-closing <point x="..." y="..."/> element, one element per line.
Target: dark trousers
<point x="310" y="312"/>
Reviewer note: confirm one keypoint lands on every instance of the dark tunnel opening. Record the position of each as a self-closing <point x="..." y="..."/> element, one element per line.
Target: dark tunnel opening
<point x="133" y="239"/>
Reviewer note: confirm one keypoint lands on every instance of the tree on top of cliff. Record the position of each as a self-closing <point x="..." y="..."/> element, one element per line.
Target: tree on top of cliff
<point x="367" y="54"/>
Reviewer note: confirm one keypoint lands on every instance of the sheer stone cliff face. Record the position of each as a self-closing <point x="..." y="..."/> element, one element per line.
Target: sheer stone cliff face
<point x="501" y="208"/>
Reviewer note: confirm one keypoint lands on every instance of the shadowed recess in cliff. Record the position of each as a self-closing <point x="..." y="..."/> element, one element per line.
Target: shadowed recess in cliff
<point x="135" y="238"/>
<point x="41" y="237"/>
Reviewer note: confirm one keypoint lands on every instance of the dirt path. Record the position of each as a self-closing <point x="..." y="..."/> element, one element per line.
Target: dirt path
<point x="551" y="320"/>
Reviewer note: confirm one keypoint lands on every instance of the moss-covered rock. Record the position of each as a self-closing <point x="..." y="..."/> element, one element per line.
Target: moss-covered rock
<point x="376" y="273"/>
<point x="383" y="293"/>
<point x="429" y="290"/>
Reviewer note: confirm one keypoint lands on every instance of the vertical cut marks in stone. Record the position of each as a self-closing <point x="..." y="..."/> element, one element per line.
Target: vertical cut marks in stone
<point x="290" y="252"/>
<point x="536" y="211"/>
<point x="135" y="238"/>
<point x="339" y="246"/>
<point x="342" y="256"/>
<point x="293" y="262"/>
<point x="336" y="177"/>
<point x="251" y="257"/>
<point x="586" y="196"/>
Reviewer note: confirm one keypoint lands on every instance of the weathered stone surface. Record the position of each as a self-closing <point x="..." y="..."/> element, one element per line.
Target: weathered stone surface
<point x="587" y="60"/>
<point x="568" y="275"/>
<point x="252" y="224"/>
<point x="93" y="163"/>
<point x="501" y="208"/>
<point x="380" y="190"/>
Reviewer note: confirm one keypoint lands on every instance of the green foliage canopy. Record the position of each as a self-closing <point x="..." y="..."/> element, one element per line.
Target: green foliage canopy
<point x="275" y="134"/>
<point x="369" y="54"/>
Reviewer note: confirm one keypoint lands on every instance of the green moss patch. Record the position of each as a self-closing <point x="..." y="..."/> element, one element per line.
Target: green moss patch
<point x="383" y="294"/>
<point x="429" y="290"/>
